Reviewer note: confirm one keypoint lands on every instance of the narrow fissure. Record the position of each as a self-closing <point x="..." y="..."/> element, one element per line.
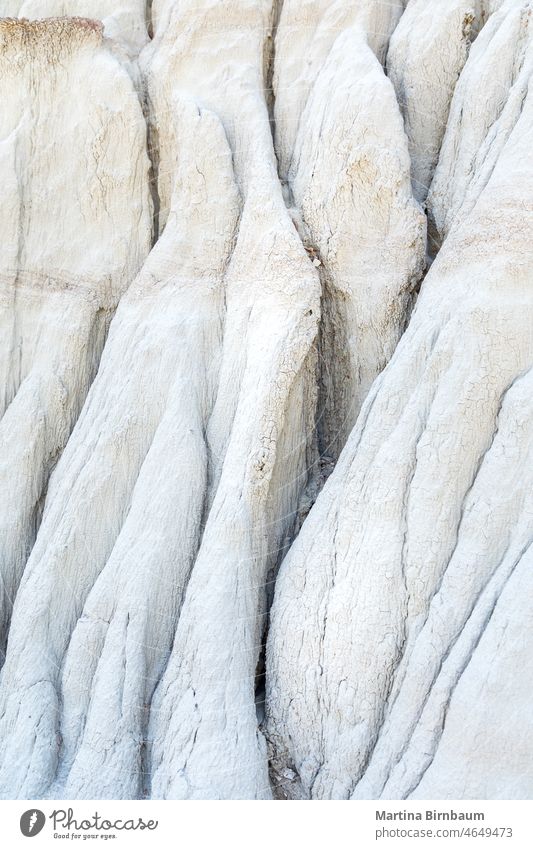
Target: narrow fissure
<point x="149" y="18"/>
<point x="152" y="147"/>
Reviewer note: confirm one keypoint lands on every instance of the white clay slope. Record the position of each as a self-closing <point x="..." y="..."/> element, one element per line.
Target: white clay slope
<point x="416" y="553"/>
<point x="349" y="180"/>
<point x="426" y="55"/>
<point x="169" y="415"/>
<point x="427" y="52"/>
<point x="214" y="340"/>
<point x="203" y="727"/>
<point x="500" y="64"/>
<point x="76" y="230"/>
<point x="306" y="32"/>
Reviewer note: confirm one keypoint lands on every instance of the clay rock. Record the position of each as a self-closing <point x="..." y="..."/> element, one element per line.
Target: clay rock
<point x="411" y="563"/>
<point x="427" y="52"/>
<point x="216" y="337"/>
<point x="76" y="218"/>
<point x="500" y="65"/>
<point x="226" y="382"/>
<point x="203" y="732"/>
<point x="349" y="180"/>
<point x="305" y="33"/>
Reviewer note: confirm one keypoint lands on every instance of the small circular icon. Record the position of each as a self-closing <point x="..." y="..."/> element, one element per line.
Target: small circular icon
<point x="32" y="822"/>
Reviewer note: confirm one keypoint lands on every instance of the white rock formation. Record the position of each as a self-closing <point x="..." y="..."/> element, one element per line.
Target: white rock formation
<point x="426" y="55"/>
<point x="203" y="728"/>
<point x="500" y="65"/>
<point x="349" y="180"/>
<point x="156" y="465"/>
<point x="75" y="231"/>
<point x="393" y="600"/>
<point x="229" y="295"/>
<point x="306" y="32"/>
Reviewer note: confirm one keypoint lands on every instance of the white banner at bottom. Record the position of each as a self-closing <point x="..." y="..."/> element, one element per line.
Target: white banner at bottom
<point x="269" y="825"/>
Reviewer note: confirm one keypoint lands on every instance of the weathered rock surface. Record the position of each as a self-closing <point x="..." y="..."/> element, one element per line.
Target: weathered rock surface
<point x="500" y="65"/>
<point x="413" y="560"/>
<point x="240" y="306"/>
<point x="306" y="32"/>
<point x="427" y="53"/>
<point x="169" y="415"/>
<point x="350" y="182"/>
<point x="76" y="230"/>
